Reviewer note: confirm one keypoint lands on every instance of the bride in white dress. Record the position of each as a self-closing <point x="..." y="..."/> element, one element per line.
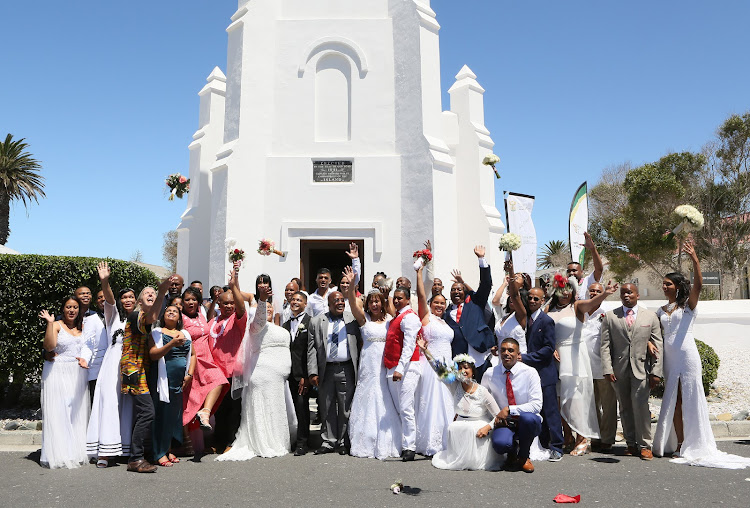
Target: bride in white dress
<point x="433" y="400"/>
<point x="374" y="423"/>
<point x="261" y="370"/>
<point x="683" y="426"/>
<point x="576" y="385"/>
<point x="514" y="324"/>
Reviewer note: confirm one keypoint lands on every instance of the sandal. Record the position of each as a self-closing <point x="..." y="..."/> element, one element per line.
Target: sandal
<point x="166" y="463"/>
<point x="676" y="453"/>
<point x="172" y="458"/>
<point x="203" y="417"/>
<point x="582" y="449"/>
<point x="102" y="463"/>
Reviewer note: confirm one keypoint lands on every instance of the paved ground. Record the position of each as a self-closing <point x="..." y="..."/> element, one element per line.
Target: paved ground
<point x="601" y="480"/>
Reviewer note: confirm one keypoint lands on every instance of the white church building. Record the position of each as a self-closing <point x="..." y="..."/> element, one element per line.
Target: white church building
<point x="328" y="128"/>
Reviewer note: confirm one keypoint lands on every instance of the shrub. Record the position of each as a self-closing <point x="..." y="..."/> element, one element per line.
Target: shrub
<point x="31" y="283"/>
<point x="709" y="364"/>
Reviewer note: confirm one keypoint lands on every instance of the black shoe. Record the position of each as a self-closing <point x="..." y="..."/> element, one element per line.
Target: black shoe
<point x="407" y="455"/>
<point x="323" y="450"/>
<point x="344" y="450"/>
<point x="301" y="450"/>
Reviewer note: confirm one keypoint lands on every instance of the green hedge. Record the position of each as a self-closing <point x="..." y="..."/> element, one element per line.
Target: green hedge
<point x="31" y="283"/>
<point x="709" y="363"/>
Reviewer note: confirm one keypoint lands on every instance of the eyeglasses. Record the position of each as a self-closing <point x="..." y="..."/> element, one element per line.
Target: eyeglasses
<point x="535" y="299"/>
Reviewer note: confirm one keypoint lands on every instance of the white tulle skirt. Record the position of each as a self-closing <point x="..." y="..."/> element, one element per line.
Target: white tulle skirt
<point x="464" y="450"/>
<point x="577" y="389"/>
<point x="65" y="413"/>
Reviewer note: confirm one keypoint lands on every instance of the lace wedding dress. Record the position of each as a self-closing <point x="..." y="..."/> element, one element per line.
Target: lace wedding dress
<point x="268" y="423"/>
<point x="682" y="366"/>
<point x="374" y="423"/>
<point x="433" y="400"/>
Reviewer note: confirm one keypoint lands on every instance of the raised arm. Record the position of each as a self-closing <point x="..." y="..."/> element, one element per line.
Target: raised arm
<point x="485" y="278"/>
<point x="355" y="304"/>
<point x="152" y="314"/>
<point x="695" y="290"/>
<point x="515" y="295"/>
<point x="497" y="299"/>
<point x="239" y="301"/>
<point x="456" y="277"/>
<point x="50" y="335"/>
<point x="421" y="295"/>
<point x="583" y="307"/>
<point x="353" y="254"/>
<point x="104" y="274"/>
<point x="598" y="264"/>
<point x="261" y="317"/>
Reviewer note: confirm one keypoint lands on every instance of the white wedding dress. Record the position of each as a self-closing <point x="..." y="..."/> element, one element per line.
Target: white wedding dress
<point x="511" y="328"/>
<point x="576" y="383"/>
<point x="374" y="423"/>
<point x="268" y="425"/>
<point x="682" y="365"/>
<point x="433" y="400"/>
<point x="65" y="405"/>
<point x="464" y="450"/>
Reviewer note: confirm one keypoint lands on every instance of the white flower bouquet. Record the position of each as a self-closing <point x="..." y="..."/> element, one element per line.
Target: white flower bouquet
<point x="508" y="243"/>
<point x="692" y="219"/>
<point x="491" y="160"/>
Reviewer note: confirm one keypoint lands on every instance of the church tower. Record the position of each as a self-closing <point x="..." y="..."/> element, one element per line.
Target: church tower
<point x="329" y="128"/>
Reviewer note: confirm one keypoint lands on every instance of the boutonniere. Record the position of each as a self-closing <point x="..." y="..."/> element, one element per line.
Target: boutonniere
<point x="601" y="317"/>
<point x="301" y="328"/>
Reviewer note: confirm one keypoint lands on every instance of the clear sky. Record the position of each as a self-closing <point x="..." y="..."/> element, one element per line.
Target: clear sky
<point x="105" y="93"/>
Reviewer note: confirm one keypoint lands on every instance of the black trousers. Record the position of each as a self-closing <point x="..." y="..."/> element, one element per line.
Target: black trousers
<point x="92" y="387"/>
<point x="227" y="420"/>
<point x="143" y="413"/>
<point x="302" y="409"/>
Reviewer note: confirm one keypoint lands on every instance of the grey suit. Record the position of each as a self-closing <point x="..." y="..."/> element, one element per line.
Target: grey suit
<point x="625" y="354"/>
<point x="337" y="380"/>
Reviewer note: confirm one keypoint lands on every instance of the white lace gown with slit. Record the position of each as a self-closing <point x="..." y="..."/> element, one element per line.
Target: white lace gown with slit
<point x="65" y="405"/>
<point x="268" y="422"/>
<point x="433" y="400"/>
<point x="374" y="423"/>
<point x="576" y="383"/>
<point x="682" y="367"/>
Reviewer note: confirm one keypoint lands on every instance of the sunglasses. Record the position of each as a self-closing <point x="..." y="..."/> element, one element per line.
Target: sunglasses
<point x="535" y="299"/>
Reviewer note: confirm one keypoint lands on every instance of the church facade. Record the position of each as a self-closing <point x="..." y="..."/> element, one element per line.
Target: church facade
<point x="328" y="128"/>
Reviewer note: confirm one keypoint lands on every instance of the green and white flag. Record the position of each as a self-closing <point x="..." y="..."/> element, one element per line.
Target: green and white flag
<point x="579" y="222"/>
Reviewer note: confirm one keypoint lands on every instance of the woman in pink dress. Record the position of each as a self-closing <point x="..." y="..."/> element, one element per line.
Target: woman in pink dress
<point x="205" y="391"/>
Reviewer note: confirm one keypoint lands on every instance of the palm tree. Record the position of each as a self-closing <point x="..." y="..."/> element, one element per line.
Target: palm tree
<point x="19" y="180"/>
<point x="555" y="254"/>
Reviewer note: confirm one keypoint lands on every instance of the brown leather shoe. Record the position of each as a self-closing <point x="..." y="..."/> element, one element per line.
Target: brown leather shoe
<point x="526" y="465"/>
<point x="631" y="451"/>
<point x="141" y="466"/>
<point x="647" y="454"/>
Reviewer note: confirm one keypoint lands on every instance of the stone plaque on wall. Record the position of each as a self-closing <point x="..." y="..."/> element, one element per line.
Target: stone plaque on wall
<point x="332" y="171"/>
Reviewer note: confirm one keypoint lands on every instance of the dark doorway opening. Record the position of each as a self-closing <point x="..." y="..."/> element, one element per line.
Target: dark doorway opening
<point x="331" y="254"/>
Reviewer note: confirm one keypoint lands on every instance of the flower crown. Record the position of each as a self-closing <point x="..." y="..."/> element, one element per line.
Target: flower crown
<point x="463" y="358"/>
<point x="560" y="284"/>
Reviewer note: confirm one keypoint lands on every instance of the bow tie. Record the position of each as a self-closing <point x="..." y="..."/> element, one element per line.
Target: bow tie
<point x="295" y="318"/>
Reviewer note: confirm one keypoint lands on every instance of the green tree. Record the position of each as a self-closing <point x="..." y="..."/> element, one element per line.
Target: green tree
<point x="169" y="250"/>
<point x="555" y="254"/>
<point x="19" y="180"/>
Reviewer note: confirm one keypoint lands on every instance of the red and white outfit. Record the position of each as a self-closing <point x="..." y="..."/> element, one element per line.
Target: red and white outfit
<point x="401" y="355"/>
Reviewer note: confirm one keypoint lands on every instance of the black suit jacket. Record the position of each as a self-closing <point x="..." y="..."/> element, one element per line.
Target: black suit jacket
<point x="540" y="348"/>
<point x="298" y="347"/>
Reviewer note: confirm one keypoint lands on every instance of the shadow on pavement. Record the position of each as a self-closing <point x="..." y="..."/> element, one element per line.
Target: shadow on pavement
<point x="34" y="456"/>
<point x="605" y="460"/>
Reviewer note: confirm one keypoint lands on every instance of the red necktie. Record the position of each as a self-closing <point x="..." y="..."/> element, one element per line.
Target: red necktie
<point x="630" y="318"/>
<point x="509" y="389"/>
<point x="458" y="313"/>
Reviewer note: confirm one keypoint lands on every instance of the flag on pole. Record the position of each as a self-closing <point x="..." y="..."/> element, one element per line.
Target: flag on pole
<point x="518" y="209"/>
<point x="579" y="223"/>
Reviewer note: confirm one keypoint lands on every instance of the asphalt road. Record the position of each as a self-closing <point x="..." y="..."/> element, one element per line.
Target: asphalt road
<point x="312" y="481"/>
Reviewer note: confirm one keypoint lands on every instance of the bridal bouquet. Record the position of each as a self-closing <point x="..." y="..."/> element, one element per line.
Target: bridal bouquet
<point x="178" y="185"/>
<point x="422" y="257"/>
<point x="560" y="284"/>
<point x="691" y="219"/>
<point x="508" y="243"/>
<point x="235" y="255"/>
<point x="491" y="160"/>
<point x="267" y="247"/>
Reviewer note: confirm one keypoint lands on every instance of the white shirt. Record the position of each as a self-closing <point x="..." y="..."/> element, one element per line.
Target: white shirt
<point x="339" y="353"/>
<point x="96" y="339"/>
<point x="534" y="316"/>
<point x="317" y="304"/>
<point x="410" y="325"/>
<point x="527" y="388"/>
<point x="294" y="323"/>
<point x="626" y="309"/>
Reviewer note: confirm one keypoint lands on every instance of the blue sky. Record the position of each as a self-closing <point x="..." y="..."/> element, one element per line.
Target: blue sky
<point x="106" y="95"/>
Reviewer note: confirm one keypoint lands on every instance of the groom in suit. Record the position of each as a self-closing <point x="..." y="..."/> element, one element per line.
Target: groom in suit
<point x="626" y="334"/>
<point x="471" y="333"/>
<point x="332" y="357"/>
<point x="298" y="326"/>
<point x="540" y="348"/>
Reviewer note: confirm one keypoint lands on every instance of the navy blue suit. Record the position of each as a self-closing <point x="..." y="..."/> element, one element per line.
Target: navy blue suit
<point x="473" y="329"/>
<point x="540" y="347"/>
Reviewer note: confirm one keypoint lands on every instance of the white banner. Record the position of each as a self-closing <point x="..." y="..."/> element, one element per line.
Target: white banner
<point x="579" y="223"/>
<point x="518" y="209"/>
